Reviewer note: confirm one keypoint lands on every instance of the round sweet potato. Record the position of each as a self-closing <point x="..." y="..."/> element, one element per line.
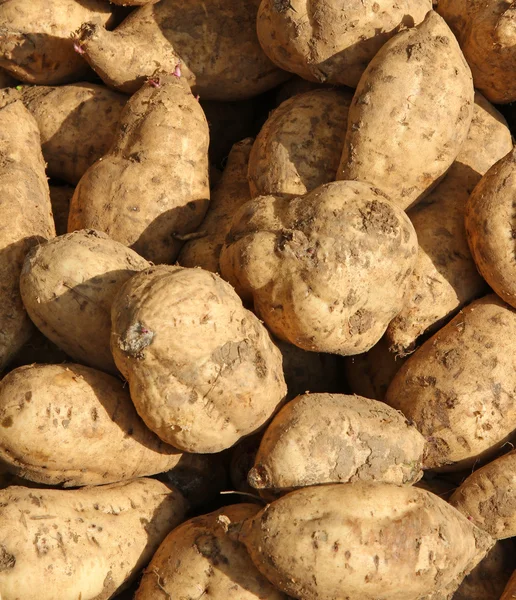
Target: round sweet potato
<point x="202" y="371"/>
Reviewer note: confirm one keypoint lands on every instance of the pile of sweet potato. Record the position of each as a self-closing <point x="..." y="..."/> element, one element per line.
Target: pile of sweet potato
<point x="257" y="300"/>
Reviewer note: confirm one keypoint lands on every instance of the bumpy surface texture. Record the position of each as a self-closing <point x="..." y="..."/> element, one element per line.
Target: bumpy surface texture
<point x="326" y="271"/>
<point x="410" y="114"/>
<point x="203" y="371"/>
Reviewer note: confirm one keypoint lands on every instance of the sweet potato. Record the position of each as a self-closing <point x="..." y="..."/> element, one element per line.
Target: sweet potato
<point x="487" y="497"/>
<point x="68" y="286"/>
<point x="334" y="438"/>
<point x="77" y="124"/>
<point x="203" y="372"/>
<point x="458" y="387"/>
<point x="326" y="271"/>
<point x="331" y="41"/>
<point x="415" y="99"/>
<point x="72" y="425"/>
<point x="445" y="277"/>
<point x="153" y="184"/>
<point x="60" y="197"/>
<point x="230" y="193"/>
<point x="485" y="30"/>
<point x="362" y="540"/>
<point x="490" y="227"/>
<point x="215" y="41"/>
<point x="25" y="214"/>
<point x="84" y="543"/>
<point x="198" y="558"/>
<point x="35" y="42"/>
<point x="300" y="145"/>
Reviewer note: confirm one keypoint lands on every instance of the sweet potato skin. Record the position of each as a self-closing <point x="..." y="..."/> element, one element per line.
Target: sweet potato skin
<point x="361" y="540"/>
<point x="333" y="438"/>
<point x="72" y="425"/>
<point x="456" y="386"/>
<point x="153" y="184"/>
<point x="68" y="286"/>
<point x="311" y="263"/>
<point x="315" y="40"/>
<point x="183" y="334"/>
<point x="77" y="124"/>
<point x="72" y="540"/>
<point x="25" y="215"/>
<point x="198" y="557"/>
<point x="419" y="72"/>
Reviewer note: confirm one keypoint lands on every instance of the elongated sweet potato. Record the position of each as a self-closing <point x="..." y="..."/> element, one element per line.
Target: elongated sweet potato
<point x="334" y="438"/>
<point x="214" y="40"/>
<point x="25" y="214"/>
<point x="72" y="425"/>
<point x="77" y="124"/>
<point x="458" y="387"/>
<point x="35" y="42"/>
<point x="199" y="558"/>
<point x="84" y="543"/>
<point x="68" y="286"/>
<point x="153" y="184"/>
<point x="203" y="371"/>
<point x="364" y="541"/>
<point x="415" y="99"/>
<point x="445" y="277"/>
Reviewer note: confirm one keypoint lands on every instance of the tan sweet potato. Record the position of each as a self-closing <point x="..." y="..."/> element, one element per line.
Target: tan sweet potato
<point x="60" y="197"/>
<point x="203" y="372"/>
<point x="414" y="100"/>
<point x="362" y="540"/>
<point x="300" y="145"/>
<point x="153" y="184"/>
<point x="330" y="41"/>
<point x="84" y="543"/>
<point x="77" y="124"/>
<point x="326" y="271"/>
<point x="491" y="229"/>
<point x="214" y="40"/>
<point x="458" y="387"/>
<point x="487" y="497"/>
<point x="35" y="42"/>
<point x="485" y="30"/>
<point x="25" y="214"/>
<point x="229" y="194"/>
<point x="72" y="425"/>
<point x="445" y="277"/>
<point x="198" y="558"/>
<point x="334" y="438"/>
<point x="68" y="286"/>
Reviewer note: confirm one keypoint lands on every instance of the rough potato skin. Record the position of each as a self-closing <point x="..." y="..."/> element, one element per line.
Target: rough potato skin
<point x="77" y="124"/>
<point x="68" y="285"/>
<point x="328" y="41"/>
<point x="490" y="227"/>
<point x="203" y="371"/>
<point x="85" y="543"/>
<point x="300" y="145"/>
<point x="230" y="193"/>
<point x="457" y="388"/>
<point x="411" y="113"/>
<point x="25" y="215"/>
<point x="35" y="38"/>
<point x="60" y="198"/>
<point x="445" y="277"/>
<point x="199" y="558"/>
<point x="326" y="271"/>
<point x="214" y="40"/>
<point x="153" y="184"/>
<point x="335" y="438"/>
<point x="361" y="540"/>
<point x="487" y="497"/>
<point x="72" y="425"/>
<point x="485" y="30"/>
